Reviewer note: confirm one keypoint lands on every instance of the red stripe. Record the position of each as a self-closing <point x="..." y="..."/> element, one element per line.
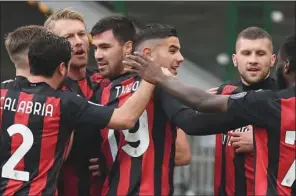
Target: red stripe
<point x="218" y="163"/>
<point x="147" y="177"/>
<point x="287" y="151"/>
<point x="3" y="93"/>
<point x="230" y="170"/>
<point x="123" y="158"/>
<point x="249" y="172"/>
<point x="261" y="161"/>
<point x="227" y="90"/>
<point x="168" y="144"/>
<point x="16" y="141"/>
<point x="49" y="141"/>
<point x="85" y="88"/>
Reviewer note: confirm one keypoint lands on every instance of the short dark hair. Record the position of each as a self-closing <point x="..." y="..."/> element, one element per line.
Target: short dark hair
<point x="154" y="31"/>
<point x="46" y="53"/>
<point x="253" y="33"/>
<point x="19" y="40"/>
<point x="288" y="50"/>
<point x="122" y="27"/>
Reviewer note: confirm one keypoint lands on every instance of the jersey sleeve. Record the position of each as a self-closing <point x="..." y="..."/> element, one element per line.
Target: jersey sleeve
<point x="255" y="107"/>
<point x="82" y="112"/>
<point x="170" y="105"/>
<point x="193" y="122"/>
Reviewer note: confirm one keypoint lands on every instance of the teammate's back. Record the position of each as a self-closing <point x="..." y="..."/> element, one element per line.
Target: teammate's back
<point x="35" y="135"/>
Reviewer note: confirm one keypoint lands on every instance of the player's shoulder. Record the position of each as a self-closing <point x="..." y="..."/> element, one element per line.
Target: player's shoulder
<point x="258" y="96"/>
<point x="125" y="79"/>
<point x="287" y="93"/>
<point x="228" y="87"/>
<point x="7" y="83"/>
<point x="18" y="82"/>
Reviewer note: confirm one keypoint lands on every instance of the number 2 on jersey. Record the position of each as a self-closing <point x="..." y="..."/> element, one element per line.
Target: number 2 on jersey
<point x="290" y="176"/>
<point x="141" y="136"/>
<point x="28" y="140"/>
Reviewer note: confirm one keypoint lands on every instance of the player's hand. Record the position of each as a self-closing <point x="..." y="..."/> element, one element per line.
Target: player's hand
<point x="144" y="66"/>
<point x="242" y="142"/>
<point x="213" y="91"/>
<point x="94" y="168"/>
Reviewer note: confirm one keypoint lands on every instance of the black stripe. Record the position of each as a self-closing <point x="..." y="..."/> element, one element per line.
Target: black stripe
<point x="32" y="158"/>
<point x="159" y="123"/>
<point x="240" y="175"/>
<point x="172" y="159"/>
<point x="63" y="138"/>
<point x="273" y="144"/>
<point x="5" y="147"/>
<point x="135" y="176"/>
<point x="73" y="86"/>
<point x="293" y="188"/>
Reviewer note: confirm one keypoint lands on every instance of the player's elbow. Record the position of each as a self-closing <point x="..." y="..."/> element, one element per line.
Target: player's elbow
<point x="183" y="159"/>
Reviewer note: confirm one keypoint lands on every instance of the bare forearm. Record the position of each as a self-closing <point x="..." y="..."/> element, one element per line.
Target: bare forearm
<point x="194" y="97"/>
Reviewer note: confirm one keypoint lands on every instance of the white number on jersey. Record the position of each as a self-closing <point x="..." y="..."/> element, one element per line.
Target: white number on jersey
<point x="141" y="136"/>
<point x="290" y="176"/>
<point x="28" y="140"/>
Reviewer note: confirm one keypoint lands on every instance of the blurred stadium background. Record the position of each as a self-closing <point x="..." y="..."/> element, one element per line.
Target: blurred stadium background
<point x="207" y="31"/>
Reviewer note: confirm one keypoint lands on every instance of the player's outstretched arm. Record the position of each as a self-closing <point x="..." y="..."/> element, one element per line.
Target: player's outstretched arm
<point x="191" y="96"/>
<point x="127" y="115"/>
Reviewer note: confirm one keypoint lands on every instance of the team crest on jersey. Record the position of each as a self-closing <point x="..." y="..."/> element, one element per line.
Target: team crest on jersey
<point x="238" y="95"/>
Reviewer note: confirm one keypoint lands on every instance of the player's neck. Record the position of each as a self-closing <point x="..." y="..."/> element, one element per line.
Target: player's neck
<point x="22" y="72"/>
<point x="77" y="73"/>
<point x="50" y="81"/>
<point x="248" y="84"/>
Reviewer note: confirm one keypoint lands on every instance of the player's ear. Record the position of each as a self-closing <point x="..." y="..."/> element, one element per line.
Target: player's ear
<point x="128" y="47"/>
<point x="234" y="60"/>
<point x="63" y="69"/>
<point x="287" y="67"/>
<point x="272" y="61"/>
<point x="147" y="51"/>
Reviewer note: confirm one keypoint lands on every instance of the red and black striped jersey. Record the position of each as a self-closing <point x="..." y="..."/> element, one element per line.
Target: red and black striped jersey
<point x="234" y="172"/>
<point x="139" y="161"/>
<point x="274" y="115"/>
<point x="36" y="124"/>
<point x="75" y="177"/>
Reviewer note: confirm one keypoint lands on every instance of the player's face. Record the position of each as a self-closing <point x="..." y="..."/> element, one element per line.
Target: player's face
<point x="75" y="32"/>
<point x="280" y="74"/>
<point x="109" y="54"/>
<point x="253" y="59"/>
<point x="168" y="54"/>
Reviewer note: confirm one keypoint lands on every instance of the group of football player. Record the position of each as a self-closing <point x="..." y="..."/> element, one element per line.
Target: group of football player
<point x="121" y="129"/>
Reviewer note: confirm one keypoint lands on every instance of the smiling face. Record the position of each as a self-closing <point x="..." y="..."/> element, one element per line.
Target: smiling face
<point x="109" y="53"/>
<point x="167" y="54"/>
<point x="253" y="59"/>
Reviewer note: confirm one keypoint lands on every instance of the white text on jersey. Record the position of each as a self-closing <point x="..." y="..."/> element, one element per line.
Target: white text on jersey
<point x="27" y="107"/>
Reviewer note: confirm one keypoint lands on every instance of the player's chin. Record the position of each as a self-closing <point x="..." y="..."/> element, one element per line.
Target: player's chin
<point x="254" y="79"/>
<point x="79" y="62"/>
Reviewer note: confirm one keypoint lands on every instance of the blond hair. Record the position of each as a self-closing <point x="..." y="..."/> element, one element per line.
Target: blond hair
<point x="66" y="13"/>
